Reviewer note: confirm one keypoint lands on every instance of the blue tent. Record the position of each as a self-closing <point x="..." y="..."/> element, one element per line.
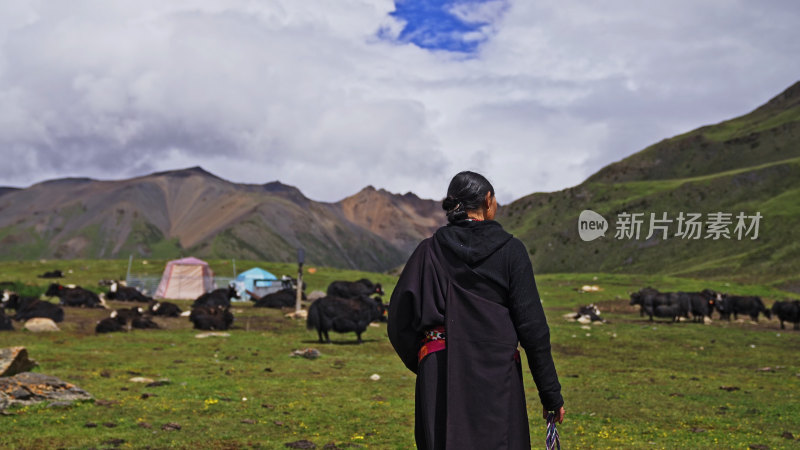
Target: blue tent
<point x="257" y="281"/>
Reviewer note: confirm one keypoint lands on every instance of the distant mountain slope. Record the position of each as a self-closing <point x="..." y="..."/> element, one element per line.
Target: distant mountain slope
<point x="380" y="212"/>
<point x="749" y="164"/>
<point x="769" y="133"/>
<point x="191" y="211"/>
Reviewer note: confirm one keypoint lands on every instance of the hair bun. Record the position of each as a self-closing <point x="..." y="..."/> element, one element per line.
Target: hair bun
<point x="449" y="203"/>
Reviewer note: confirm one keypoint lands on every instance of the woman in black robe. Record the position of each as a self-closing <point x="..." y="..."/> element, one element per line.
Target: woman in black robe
<point x="465" y="300"/>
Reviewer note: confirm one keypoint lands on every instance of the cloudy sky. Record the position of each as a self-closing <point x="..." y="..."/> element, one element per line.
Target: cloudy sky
<point x="330" y="96"/>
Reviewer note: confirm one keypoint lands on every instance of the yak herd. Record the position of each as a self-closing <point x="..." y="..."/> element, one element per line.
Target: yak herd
<point x="347" y="307"/>
<point x="699" y="306"/>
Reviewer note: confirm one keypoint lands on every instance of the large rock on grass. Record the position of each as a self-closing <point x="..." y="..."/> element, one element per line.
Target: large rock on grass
<point x="14" y="360"/>
<point x="28" y="388"/>
<point x="41" y="325"/>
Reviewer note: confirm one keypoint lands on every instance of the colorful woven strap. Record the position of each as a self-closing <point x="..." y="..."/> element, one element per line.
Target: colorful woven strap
<point x="433" y="341"/>
<point x="552" y="441"/>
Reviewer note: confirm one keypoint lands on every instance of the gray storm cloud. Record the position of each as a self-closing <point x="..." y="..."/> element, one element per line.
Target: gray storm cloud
<point x="306" y="92"/>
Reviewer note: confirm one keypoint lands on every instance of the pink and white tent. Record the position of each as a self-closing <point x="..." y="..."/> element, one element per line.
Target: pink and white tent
<point x="186" y="278"/>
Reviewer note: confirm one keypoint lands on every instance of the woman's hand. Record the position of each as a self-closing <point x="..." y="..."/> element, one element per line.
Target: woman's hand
<point x="559" y="415"/>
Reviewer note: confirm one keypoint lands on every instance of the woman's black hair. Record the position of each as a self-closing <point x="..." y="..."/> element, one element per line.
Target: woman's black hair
<point x="466" y="192"/>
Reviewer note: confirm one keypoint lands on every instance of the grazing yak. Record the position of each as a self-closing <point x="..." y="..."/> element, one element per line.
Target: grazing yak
<point x="109" y="325"/>
<point x="737" y="304"/>
<point x="125" y="319"/>
<point x="285" y="298"/>
<point x="212" y="317"/>
<point x="788" y="311"/>
<point x="675" y="304"/>
<point x="5" y="322"/>
<point x="77" y="296"/>
<point x="30" y="307"/>
<point x="126" y="294"/>
<point x="164" y="309"/>
<point x="52" y="274"/>
<point x="218" y="297"/>
<point x="12" y="300"/>
<point x="342" y="315"/>
<point x="586" y="314"/>
<point x="354" y="289"/>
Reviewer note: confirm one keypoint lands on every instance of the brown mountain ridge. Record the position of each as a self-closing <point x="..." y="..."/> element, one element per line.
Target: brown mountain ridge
<point x="192" y="211"/>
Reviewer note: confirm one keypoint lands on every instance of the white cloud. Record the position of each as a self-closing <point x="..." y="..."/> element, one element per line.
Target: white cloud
<point x="306" y="93"/>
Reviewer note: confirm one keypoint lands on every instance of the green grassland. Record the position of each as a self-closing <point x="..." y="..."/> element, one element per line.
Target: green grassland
<point x="627" y="384"/>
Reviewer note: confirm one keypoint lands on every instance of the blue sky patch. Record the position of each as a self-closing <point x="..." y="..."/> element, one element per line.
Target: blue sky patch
<point x="450" y="25"/>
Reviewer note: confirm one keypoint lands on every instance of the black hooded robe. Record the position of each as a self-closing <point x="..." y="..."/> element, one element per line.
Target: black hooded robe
<point x="477" y="281"/>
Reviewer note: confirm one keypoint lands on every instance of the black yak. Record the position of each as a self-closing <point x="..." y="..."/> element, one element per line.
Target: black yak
<point x="217" y="297"/>
<point x="788" y="311"/>
<point x="342" y="315"/>
<point x="354" y="289"/>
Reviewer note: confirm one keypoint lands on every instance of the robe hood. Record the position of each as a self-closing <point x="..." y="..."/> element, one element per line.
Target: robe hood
<point x="472" y="241"/>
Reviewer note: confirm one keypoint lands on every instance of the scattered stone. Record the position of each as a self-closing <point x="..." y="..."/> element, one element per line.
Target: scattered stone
<point x="267" y="405"/>
<point x="110" y="425"/>
<point x="14" y="360"/>
<point x="278" y="423"/>
<point x="20" y="394"/>
<point x="158" y="383"/>
<point x="729" y="388"/>
<point x="249" y="421"/>
<point x="90" y="425"/>
<point x="59" y="405"/>
<point x="105" y="374"/>
<point x="314" y="295"/>
<point x="308" y="353"/>
<point x="145" y="425"/>
<point x="29" y="388"/>
<point x="105" y="402"/>
<point x="374" y="377"/>
<point x="41" y="325"/>
<point x="212" y="334"/>
<point x="172" y="426"/>
<point x="303" y="443"/>
<point x="302" y="314"/>
<point x="141" y="380"/>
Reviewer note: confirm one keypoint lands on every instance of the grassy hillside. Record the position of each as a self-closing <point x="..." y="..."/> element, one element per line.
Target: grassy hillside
<point x="685" y="175"/>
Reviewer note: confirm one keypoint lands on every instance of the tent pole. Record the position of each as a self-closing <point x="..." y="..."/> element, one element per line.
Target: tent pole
<point x="301" y="256"/>
<point x="130" y="262"/>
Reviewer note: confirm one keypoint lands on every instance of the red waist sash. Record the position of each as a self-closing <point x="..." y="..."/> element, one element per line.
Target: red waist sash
<point x="435" y="340"/>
